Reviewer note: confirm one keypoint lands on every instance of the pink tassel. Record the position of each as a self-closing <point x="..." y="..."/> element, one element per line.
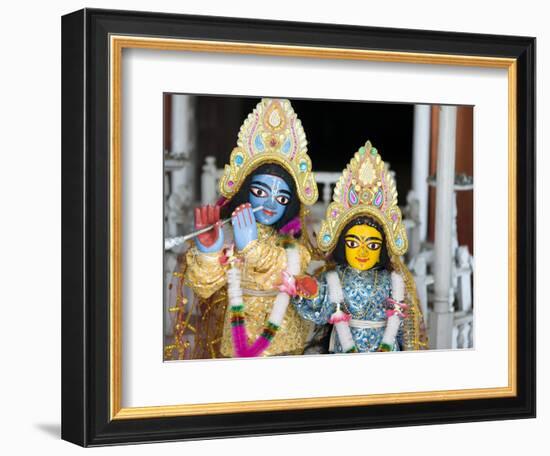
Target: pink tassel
<point x="293" y="227"/>
<point x="258" y="347"/>
<point x="239" y="341"/>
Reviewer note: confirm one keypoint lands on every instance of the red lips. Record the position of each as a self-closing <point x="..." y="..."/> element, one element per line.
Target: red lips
<point x="268" y="212"/>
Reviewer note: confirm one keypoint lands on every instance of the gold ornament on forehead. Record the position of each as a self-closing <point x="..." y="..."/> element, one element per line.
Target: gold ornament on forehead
<point x="366" y="187"/>
<point x="272" y="133"/>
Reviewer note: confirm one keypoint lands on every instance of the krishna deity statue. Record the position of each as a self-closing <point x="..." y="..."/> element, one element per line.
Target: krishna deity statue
<point x="368" y="295"/>
<point x="240" y="277"/>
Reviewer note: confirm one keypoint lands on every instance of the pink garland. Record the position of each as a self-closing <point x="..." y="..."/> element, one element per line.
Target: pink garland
<point x="239" y="334"/>
<point x="258" y="347"/>
<point x="240" y="345"/>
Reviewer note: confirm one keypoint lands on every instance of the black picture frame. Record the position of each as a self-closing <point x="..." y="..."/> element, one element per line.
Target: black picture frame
<point x="85" y="227"/>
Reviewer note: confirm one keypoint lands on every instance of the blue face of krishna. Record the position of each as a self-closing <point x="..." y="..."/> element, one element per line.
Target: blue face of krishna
<point x="271" y="192"/>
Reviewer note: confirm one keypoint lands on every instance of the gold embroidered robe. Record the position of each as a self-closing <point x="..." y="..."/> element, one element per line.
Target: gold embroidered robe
<point x="263" y="261"/>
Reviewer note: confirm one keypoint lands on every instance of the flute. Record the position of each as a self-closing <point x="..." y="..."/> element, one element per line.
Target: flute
<point x="178" y="240"/>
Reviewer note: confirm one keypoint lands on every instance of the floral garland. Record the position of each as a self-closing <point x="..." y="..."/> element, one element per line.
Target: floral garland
<point x="287" y="289"/>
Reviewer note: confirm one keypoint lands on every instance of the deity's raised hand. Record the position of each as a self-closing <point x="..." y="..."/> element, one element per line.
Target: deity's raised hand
<point x="212" y="240"/>
<point x="244" y="225"/>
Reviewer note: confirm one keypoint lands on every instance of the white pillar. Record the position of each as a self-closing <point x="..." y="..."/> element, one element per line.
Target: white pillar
<point x="181" y="184"/>
<point x="441" y="319"/>
<point x="183" y="179"/>
<point x="421" y="164"/>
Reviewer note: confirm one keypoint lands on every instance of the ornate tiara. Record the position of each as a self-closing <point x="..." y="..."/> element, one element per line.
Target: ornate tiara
<point x="272" y="133"/>
<point x="366" y="187"/>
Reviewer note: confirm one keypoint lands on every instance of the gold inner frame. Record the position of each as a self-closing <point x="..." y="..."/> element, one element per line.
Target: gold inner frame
<point x="117" y="44"/>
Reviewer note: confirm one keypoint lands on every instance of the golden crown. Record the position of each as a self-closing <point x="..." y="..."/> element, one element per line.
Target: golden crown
<point x="366" y="187"/>
<point x="272" y="133"/>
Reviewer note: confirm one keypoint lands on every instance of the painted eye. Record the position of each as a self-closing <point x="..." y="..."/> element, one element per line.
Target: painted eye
<point x="352" y="244"/>
<point x="282" y="199"/>
<point x="258" y="192"/>
<point x="374" y="245"/>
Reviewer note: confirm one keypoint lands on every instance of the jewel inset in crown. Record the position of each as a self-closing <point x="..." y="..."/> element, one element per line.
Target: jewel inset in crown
<point x="366" y="187"/>
<point x="272" y="133"/>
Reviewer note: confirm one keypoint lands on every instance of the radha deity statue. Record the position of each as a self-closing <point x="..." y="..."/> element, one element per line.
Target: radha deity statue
<point x="241" y="277"/>
<point x="369" y="295"/>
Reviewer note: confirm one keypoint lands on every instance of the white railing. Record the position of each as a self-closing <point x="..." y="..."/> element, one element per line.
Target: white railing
<point x="463" y="330"/>
<point x="462" y="309"/>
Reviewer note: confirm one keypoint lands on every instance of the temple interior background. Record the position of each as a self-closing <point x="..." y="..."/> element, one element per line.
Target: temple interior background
<point x="417" y="141"/>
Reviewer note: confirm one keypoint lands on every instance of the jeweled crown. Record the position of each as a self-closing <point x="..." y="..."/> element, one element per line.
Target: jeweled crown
<point x="272" y="133"/>
<point x="366" y="187"/>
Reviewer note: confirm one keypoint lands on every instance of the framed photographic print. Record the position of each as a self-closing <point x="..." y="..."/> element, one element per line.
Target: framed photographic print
<point x="275" y="227"/>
